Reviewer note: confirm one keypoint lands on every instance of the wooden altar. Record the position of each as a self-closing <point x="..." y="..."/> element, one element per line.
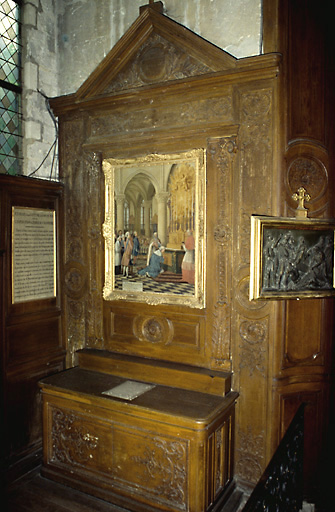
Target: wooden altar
<point x="173" y="259"/>
<point x="164" y="448"/>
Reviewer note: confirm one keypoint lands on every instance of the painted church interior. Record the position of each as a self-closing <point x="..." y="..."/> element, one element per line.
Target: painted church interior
<point x="167" y="266"/>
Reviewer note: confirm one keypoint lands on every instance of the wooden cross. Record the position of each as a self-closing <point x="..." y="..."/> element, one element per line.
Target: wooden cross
<point x="156" y="6"/>
<point x="301" y="196"/>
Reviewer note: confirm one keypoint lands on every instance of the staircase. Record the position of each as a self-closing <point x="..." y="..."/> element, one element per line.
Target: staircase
<point x="280" y="488"/>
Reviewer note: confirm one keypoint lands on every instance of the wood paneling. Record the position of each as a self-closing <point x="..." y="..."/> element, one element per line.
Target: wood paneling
<point x="303" y="356"/>
<point x="264" y="124"/>
<point x="306" y="70"/>
<point x="30" y="335"/>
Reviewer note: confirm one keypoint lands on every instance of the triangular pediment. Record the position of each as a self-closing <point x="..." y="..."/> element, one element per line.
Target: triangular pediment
<point x="154" y="50"/>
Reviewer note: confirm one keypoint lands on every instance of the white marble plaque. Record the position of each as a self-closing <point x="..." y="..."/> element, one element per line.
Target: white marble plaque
<point x="132" y="286"/>
<point x="128" y="390"/>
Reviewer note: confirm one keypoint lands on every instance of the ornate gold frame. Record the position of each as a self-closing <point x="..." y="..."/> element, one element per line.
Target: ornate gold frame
<point x="197" y="300"/>
<point x="288" y="260"/>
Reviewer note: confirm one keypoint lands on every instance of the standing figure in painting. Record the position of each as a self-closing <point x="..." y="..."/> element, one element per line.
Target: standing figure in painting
<point x="282" y="261"/>
<point x="117" y="255"/>
<point x="329" y="256"/>
<point x="269" y="262"/>
<point x="136" y="248"/>
<point x="317" y="265"/>
<point x="155" y="264"/>
<point x="187" y="266"/>
<point x="126" y="258"/>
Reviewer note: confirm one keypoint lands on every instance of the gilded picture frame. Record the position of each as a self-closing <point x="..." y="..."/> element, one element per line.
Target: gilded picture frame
<point x="291" y="258"/>
<point x="160" y="199"/>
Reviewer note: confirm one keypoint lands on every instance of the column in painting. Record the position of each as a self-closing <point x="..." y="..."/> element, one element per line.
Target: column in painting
<point x="120" y="211"/>
<point x="147" y="206"/>
<point x="162" y="198"/>
<point x="137" y="226"/>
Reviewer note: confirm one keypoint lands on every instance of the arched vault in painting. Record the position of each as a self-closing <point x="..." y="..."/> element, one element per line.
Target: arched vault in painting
<point x="158" y="198"/>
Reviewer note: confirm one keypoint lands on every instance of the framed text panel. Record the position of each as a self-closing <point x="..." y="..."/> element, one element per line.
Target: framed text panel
<point x="33" y="254"/>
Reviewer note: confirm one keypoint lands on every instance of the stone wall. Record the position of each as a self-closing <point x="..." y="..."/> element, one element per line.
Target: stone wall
<point x="64" y="40"/>
<point x="40" y="79"/>
<point x="88" y="29"/>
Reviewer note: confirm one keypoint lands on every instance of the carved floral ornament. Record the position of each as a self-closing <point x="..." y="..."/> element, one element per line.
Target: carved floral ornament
<point x="165" y="462"/>
<point x="157" y="61"/>
<point x="309" y="173"/>
<point x="153" y="329"/>
<point x="72" y="443"/>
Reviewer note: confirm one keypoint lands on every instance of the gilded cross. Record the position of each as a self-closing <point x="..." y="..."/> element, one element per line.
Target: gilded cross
<point x="301" y="196"/>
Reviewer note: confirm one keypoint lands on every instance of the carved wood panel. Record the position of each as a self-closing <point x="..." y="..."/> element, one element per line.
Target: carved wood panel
<point x="304" y="347"/>
<point x="251" y="332"/>
<point x="156" y="465"/>
<point x="82" y="279"/>
<point x="135" y="454"/>
<point x="31" y="343"/>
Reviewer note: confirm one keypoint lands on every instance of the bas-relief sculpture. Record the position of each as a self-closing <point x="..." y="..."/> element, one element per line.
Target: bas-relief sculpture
<point x="291" y="258"/>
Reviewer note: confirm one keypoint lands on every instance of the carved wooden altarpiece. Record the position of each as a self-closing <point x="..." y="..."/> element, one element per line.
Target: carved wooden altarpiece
<point x="163" y="90"/>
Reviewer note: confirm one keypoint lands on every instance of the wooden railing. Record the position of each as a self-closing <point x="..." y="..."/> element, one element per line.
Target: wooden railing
<point x="280" y="488"/>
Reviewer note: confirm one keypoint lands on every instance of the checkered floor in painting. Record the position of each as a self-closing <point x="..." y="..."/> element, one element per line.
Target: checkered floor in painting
<point x="150" y="285"/>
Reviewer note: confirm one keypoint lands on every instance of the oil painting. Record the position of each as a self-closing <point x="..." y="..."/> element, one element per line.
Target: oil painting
<point x="154" y="228"/>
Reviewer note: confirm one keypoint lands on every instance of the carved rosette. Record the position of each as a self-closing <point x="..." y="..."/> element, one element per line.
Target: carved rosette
<point x="242" y="295"/>
<point x="253" y="335"/>
<point x="166" y="463"/>
<point x="153" y="329"/>
<point x="75" y="280"/>
<point x="72" y="444"/>
<point x="309" y="172"/>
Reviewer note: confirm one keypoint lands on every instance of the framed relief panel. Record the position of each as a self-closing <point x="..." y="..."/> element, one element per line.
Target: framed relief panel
<point x="291" y="258"/>
<point x="154" y="228"/>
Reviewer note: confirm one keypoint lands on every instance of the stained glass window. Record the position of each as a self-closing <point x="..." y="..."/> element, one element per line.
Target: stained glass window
<point x="10" y="87"/>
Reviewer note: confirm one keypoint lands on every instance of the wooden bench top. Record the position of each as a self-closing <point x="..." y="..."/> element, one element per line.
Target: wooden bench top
<point x="166" y="403"/>
<point x="167" y="373"/>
